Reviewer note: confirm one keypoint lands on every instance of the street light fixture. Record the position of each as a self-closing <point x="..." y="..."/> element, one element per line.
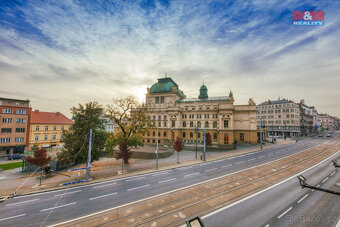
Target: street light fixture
<point x="303" y="183"/>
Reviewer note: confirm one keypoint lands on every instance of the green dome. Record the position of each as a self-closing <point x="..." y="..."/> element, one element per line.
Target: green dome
<point x="166" y="85"/>
<point x="203" y="92"/>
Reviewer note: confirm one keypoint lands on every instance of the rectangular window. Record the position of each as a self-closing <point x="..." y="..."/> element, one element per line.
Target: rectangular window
<point x="46" y="128"/>
<point x="54" y="128"/>
<point x="6" y="120"/>
<point x="157" y="99"/>
<point x="62" y="127"/>
<point x="18" y="130"/>
<point x="173" y="123"/>
<point x="5" y="140"/>
<point x="225" y="124"/>
<point x="45" y="137"/>
<point x="36" y="138"/>
<point x="21" y="111"/>
<point x="7" y="110"/>
<point x="6" y="130"/>
<point x="162" y="99"/>
<point x="164" y="124"/>
<point x="54" y="137"/>
<point x="37" y="128"/>
<point x="61" y="137"/>
<point x="19" y="140"/>
<point x="21" y="120"/>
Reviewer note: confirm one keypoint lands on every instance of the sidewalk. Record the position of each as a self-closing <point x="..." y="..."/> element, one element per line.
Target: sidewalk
<point x="107" y="168"/>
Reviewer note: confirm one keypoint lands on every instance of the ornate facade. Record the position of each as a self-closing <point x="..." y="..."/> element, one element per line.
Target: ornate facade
<point x="178" y="116"/>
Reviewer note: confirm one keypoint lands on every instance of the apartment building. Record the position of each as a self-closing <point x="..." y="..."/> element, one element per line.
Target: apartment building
<point x="15" y="117"/>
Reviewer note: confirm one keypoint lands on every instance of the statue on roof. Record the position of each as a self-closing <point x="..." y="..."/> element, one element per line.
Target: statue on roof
<point x="231" y="96"/>
<point x="251" y="102"/>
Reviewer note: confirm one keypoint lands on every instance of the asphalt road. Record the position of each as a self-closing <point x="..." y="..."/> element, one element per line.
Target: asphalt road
<point x="287" y="204"/>
<point x="61" y="205"/>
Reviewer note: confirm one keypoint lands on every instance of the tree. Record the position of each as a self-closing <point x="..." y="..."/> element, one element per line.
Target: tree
<point x="40" y="158"/>
<point x="124" y="152"/>
<point x="178" y="146"/>
<point x="35" y="147"/>
<point x="208" y="139"/>
<point x="130" y="120"/>
<point x="76" y="140"/>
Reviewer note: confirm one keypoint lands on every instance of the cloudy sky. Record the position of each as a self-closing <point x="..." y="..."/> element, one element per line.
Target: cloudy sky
<point x="61" y="53"/>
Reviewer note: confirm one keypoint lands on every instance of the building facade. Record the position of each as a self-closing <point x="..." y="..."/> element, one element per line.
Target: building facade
<point x="327" y="122"/>
<point x="178" y="116"/>
<point x="47" y="128"/>
<point x="280" y="117"/>
<point x="14" y="125"/>
<point x="306" y="119"/>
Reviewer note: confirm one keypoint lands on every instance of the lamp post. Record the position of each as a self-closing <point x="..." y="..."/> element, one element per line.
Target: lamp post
<point x="157" y="145"/>
<point x="204" y="148"/>
<point x="196" y="132"/>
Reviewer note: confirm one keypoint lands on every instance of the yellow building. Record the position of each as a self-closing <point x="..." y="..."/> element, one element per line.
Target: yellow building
<point x="47" y="128"/>
<point x="178" y="116"/>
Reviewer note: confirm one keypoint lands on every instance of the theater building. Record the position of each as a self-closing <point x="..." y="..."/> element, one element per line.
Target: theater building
<point x="179" y="116"/>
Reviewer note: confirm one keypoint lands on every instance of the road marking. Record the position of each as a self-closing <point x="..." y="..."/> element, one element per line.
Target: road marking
<point x="285" y="212"/>
<point x="22" y="202"/>
<point x="231" y="158"/>
<point x="130" y="189"/>
<point x="261" y="157"/>
<point x="318" y="185"/>
<point x="104" y="185"/>
<point x="332" y="173"/>
<point x="138" y="178"/>
<point x="210" y="170"/>
<point x="191" y="174"/>
<point x="189" y="167"/>
<point x="69" y="204"/>
<point x="226" y="166"/>
<point x="156" y="174"/>
<point x="266" y="189"/>
<point x="98" y="197"/>
<point x="325" y="180"/>
<point x="20" y="215"/>
<point x="267" y="225"/>
<point x="2" y="177"/>
<point x="252" y="159"/>
<point x="219" y="160"/>
<point x="269" y="154"/>
<point x="239" y="162"/>
<point x="66" y="193"/>
<point x="200" y="183"/>
<point x="167" y="180"/>
<point x="302" y="198"/>
<point x="241" y="155"/>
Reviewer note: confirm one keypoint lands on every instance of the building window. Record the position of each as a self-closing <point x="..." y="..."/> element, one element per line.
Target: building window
<point x="21" y="111"/>
<point x="5" y="140"/>
<point x="199" y="135"/>
<point x="19" y="139"/>
<point x="20" y="120"/>
<point x="164" y="134"/>
<point x="157" y="99"/>
<point x="153" y="141"/>
<point x="215" y="124"/>
<point x="54" y="128"/>
<point x="18" y="130"/>
<point x="61" y="136"/>
<point x="162" y="99"/>
<point x="191" y="124"/>
<point x="153" y="133"/>
<point x="173" y="123"/>
<point x="183" y="134"/>
<point x="46" y="128"/>
<point x="62" y="128"/>
<point x="7" y="110"/>
<point x="69" y="127"/>
<point x="6" y="120"/>
<point x="45" y="137"/>
<point x="37" y="128"/>
<point x="198" y="124"/>
<point x="6" y="130"/>
<point x="191" y="135"/>
<point x="54" y="137"/>
<point x="164" y="124"/>
<point x="215" y="136"/>
<point x="241" y="137"/>
<point x="207" y="124"/>
<point x="36" y="138"/>
<point x="184" y="124"/>
<point x="226" y="124"/>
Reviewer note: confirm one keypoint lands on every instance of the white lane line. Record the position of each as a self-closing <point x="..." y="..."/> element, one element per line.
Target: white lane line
<point x="325" y="180"/>
<point x="191" y="174"/>
<point x="130" y="189"/>
<point x="2" y="177"/>
<point x="261" y="157"/>
<point x="66" y="193"/>
<point x="241" y="155"/>
<point x="332" y="173"/>
<point x="285" y="212"/>
<point x="318" y="185"/>
<point x="210" y="170"/>
<point x="104" y="185"/>
<point x="267" y="225"/>
<point x="186" y="168"/>
<point x="269" y="154"/>
<point x="219" y="160"/>
<point x="302" y="198"/>
<point x="226" y="166"/>
<point x="163" y="181"/>
<point x="231" y="158"/>
<point x="69" y="204"/>
<point x="138" y="178"/>
<point x="156" y="174"/>
<point x="98" y="197"/>
<point x="239" y="162"/>
<point x="16" y="216"/>
<point x="252" y="159"/>
<point x="22" y="202"/>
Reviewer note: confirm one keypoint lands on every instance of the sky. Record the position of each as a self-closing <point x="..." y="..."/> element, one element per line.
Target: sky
<point x="61" y="53"/>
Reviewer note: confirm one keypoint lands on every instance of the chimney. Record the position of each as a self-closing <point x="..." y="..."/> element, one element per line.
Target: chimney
<point x="58" y="113"/>
<point x="36" y="111"/>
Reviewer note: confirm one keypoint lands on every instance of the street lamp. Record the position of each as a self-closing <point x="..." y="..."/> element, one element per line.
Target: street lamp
<point x="157" y="145"/>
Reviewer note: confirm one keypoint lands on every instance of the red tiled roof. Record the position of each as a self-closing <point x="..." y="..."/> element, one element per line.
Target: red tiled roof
<point x="49" y="118"/>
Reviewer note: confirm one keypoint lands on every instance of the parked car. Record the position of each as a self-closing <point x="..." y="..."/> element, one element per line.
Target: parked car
<point x="329" y="135"/>
<point x="14" y="156"/>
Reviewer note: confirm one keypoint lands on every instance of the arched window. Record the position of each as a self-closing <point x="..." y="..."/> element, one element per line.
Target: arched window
<point x="215" y="124"/>
<point x="191" y="124"/>
<point x="183" y="134"/>
<point x="191" y="135"/>
<point x="198" y="124"/>
<point x="241" y="137"/>
<point x="199" y="135"/>
<point x="207" y="124"/>
<point x="215" y="136"/>
<point x="184" y="124"/>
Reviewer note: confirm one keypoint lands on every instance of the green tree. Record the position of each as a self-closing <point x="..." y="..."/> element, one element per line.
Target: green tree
<point x="35" y="147"/>
<point x="130" y="121"/>
<point x="76" y="140"/>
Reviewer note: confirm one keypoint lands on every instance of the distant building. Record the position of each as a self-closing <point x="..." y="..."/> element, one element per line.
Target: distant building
<point x="280" y="117"/>
<point x="14" y="125"/>
<point x="306" y="119"/>
<point x="327" y="122"/>
<point x="316" y="121"/>
<point x="109" y="126"/>
<point x="47" y="128"/>
<point x="178" y="116"/>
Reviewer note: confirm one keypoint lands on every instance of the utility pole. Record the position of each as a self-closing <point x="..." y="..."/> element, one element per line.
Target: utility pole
<point x="157" y="145"/>
<point x="89" y="156"/>
<point x="261" y="129"/>
<point x="204" y="148"/>
<point x="196" y="132"/>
